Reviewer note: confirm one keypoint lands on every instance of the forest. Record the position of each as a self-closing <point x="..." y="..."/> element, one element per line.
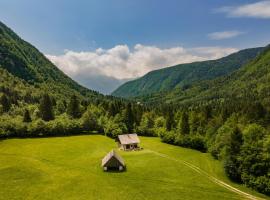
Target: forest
<point x="235" y="132"/>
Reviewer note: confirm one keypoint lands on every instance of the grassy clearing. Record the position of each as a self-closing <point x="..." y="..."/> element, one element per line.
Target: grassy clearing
<point x="69" y="168"/>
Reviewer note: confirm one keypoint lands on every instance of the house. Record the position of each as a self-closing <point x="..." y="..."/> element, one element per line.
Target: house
<point x="113" y="161"/>
<point x="128" y="142"/>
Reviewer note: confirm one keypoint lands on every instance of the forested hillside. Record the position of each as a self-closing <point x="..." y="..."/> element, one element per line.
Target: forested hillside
<point x="228" y="117"/>
<point x="36" y="98"/>
<point x="23" y="60"/>
<point x="183" y="75"/>
<point x="250" y="80"/>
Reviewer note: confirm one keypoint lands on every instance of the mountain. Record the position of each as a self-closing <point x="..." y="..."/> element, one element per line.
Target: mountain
<point x="22" y="60"/>
<point x="251" y="80"/>
<point x="184" y="75"/>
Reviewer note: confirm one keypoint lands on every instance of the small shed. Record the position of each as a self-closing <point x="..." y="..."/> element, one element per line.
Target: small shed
<point x="128" y="142"/>
<point x="113" y="161"/>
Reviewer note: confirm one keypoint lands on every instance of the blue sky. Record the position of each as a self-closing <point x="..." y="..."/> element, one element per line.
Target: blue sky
<point x="168" y="31"/>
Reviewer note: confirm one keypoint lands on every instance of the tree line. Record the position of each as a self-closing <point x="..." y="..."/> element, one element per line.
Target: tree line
<point x="235" y="131"/>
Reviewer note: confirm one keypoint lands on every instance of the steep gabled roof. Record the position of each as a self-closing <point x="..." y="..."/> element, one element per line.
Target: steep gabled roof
<point x="110" y="155"/>
<point x="129" y="139"/>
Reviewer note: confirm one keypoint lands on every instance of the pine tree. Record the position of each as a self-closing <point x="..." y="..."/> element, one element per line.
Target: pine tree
<point x="170" y="120"/>
<point x="129" y="118"/>
<point x="46" y="108"/>
<point x="5" y="103"/>
<point x="74" y="107"/>
<point x="184" y="124"/>
<point x="26" y="116"/>
<point x="112" y="109"/>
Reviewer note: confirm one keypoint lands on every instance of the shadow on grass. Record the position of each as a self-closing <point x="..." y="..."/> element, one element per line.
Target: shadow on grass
<point x="115" y="171"/>
<point x="41" y="135"/>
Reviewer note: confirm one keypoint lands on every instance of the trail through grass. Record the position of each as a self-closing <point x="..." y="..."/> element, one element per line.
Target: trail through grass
<point x="215" y="180"/>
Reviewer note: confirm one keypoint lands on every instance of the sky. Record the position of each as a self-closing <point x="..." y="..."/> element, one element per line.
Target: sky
<point x="104" y="43"/>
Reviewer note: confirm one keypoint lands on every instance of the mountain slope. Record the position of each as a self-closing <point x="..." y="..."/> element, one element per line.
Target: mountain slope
<point x="251" y="79"/>
<point x="24" y="61"/>
<point x="183" y="75"/>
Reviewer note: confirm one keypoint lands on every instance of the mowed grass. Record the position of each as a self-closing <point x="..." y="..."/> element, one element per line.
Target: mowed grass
<point x="69" y="168"/>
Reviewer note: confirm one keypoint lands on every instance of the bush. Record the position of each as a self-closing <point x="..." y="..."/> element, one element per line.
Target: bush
<point x="12" y="127"/>
<point x="261" y="183"/>
<point x="231" y="167"/>
<point x="113" y="129"/>
<point x="160" y="132"/>
<point x="191" y="141"/>
<point x="168" y="137"/>
<point x="198" y="143"/>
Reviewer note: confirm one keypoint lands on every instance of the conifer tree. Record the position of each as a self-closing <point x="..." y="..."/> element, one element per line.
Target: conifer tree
<point x="170" y="120"/>
<point x="46" y="108"/>
<point x="184" y="124"/>
<point x="26" y="116"/>
<point x="74" y="107"/>
<point x="129" y="118"/>
<point x="112" y="109"/>
<point x="5" y="103"/>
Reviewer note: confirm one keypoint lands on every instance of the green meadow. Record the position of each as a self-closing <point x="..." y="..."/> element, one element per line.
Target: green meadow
<point x="69" y="168"/>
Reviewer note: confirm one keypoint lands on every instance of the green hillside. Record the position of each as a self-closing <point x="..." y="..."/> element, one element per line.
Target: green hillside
<point x="69" y="168"/>
<point x="183" y="75"/>
<point x="250" y="80"/>
<point x="24" y="61"/>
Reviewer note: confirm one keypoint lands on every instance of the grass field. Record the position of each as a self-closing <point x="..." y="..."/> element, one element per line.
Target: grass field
<point x="69" y="168"/>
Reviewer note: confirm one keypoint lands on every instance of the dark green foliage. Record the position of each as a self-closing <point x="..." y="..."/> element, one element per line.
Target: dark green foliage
<point x="170" y="123"/>
<point x="73" y="108"/>
<point x="4" y="101"/>
<point x="26" y="116"/>
<point x="191" y="141"/>
<point x="255" y="160"/>
<point x="184" y="124"/>
<point x="231" y="160"/>
<point x="168" y="137"/>
<point x="112" y="109"/>
<point x="129" y="118"/>
<point x="94" y="119"/>
<point x="46" y="108"/>
<point x="146" y="126"/>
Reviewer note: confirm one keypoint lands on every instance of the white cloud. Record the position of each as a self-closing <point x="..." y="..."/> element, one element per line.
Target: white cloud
<point x="121" y="62"/>
<point x="259" y="9"/>
<point x="224" y="35"/>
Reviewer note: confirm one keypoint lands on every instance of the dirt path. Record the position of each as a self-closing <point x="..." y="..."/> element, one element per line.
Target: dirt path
<point x="212" y="178"/>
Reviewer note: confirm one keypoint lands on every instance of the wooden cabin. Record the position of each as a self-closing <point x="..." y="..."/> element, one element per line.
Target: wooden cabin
<point x="128" y="142"/>
<point x="113" y="161"/>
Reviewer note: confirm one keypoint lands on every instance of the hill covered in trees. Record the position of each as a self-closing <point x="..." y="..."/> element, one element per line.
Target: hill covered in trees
<point x="34" y="93"/>
<point x="183" y="75"/>
<point x="250" y="80"/>
<point x="24" y="61"/>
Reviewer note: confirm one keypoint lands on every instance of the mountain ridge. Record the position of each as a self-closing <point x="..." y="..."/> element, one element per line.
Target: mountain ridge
<point x="250" y="79"/>
<point x="184" y="75"/>
<point x="23" y="60"/>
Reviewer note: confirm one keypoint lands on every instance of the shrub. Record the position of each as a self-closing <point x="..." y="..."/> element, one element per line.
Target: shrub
<point x="168" y="137"/>
<point x="191" y="141"/>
